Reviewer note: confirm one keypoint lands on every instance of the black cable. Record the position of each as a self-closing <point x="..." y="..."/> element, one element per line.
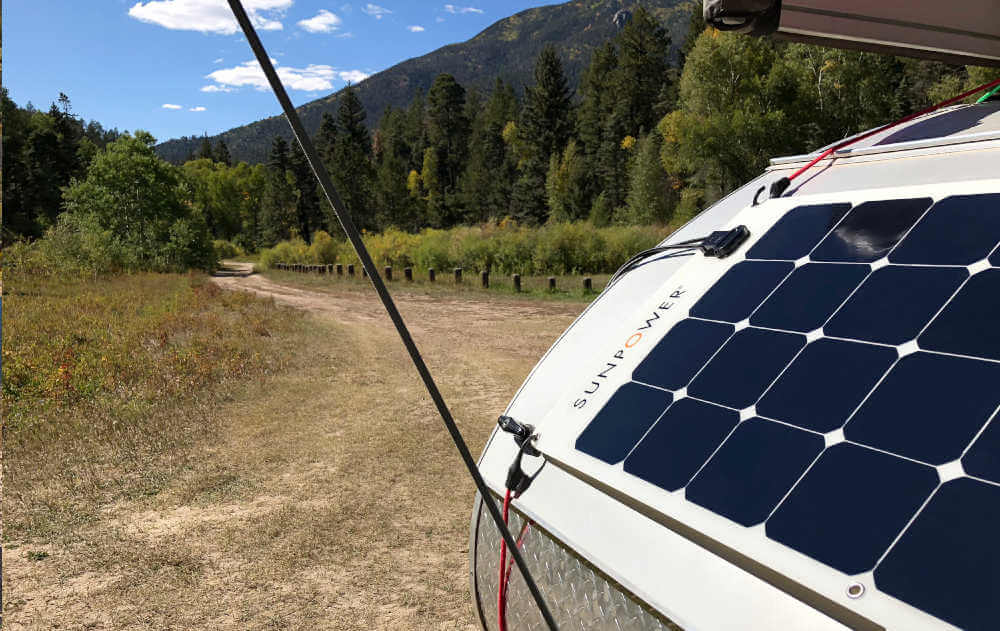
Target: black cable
<point x="366" y="261"/>
<point x="636" y="259"/>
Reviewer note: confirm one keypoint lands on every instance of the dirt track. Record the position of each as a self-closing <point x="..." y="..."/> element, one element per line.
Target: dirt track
<point x="332" y="500"/>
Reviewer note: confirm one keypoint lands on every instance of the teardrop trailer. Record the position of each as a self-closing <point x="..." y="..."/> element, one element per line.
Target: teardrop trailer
<point x="788" y="414"/>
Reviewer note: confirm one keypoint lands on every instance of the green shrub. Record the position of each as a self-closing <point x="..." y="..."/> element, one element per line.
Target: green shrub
<point x="505" y="248"/>
<point x="226" y="249"/>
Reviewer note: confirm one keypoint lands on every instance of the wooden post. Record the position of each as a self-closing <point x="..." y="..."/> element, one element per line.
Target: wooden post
<point x="388" y="272"/>
<point x="517" y="282"/>
<point x="485" y="276"/>
<point x="340" y="269"/>
<point x="329" y="269"/>
<point x="552" y="283"/>
<point x="430" y="274"/>
<point x="408" y="273"/>
<point x="322" y="269"/>
<point x="588" y="285"/>
<point x="364" y="271"/>
<point x="350" y="270"/>
<point x="458" y="274"/>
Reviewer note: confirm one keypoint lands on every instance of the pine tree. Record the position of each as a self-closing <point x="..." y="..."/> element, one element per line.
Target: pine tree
<point x="492" y="169"/>
<point x="278" y="202"/>
<point x="594" y="116"/>
<point x="448" y="137"/>
<point x="326" y="138"/>
<point x="307" y="208"/>
<point x="643" y="71"/>
<point x="544" y="129"/>
<point x="351" y="167"/>
<point x="205" y="151"/>
<point x="221" y="153"/>
<point x="650" y="197"/>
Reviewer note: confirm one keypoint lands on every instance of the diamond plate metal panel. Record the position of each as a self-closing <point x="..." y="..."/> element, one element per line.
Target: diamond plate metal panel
<point x="579" y="596"/>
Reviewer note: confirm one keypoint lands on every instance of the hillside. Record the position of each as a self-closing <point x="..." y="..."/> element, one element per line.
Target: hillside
<point x="507" y="49"/>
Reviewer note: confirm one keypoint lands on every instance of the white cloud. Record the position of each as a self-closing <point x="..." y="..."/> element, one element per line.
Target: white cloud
<point x="312" y="78"/>
<point x="450" y="8"/>
<point x="346" y="35"/>
<point x="218" y="61"/>
<point x="416" y="28"/>
<point x="322" y="22"/>
<point x="171" y="106"/>
<point x="353" y="76"/>
<point x="197" y="108"/>
<point x="375" y="10"/>
<point x="209" y="16"/>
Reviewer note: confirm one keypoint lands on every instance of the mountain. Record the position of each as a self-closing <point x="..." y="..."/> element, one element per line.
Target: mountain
<point x="506" y="49"/>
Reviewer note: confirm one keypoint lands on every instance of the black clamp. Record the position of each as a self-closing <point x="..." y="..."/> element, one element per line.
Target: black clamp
<point x="518" y="480"/>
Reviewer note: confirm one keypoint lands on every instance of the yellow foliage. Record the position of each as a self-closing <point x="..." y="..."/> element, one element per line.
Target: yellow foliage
<point x="628" y="142"/>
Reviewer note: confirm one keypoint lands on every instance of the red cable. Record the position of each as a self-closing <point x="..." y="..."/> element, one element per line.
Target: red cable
<point x="851" y="141"/>
<point x="502" y="584"/>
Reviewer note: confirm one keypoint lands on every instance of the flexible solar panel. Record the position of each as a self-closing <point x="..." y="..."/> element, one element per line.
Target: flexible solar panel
<point x="840" y="386"/>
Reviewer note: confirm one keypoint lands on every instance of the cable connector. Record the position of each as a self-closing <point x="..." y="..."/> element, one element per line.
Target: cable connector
<point x="722" y="243"/>
<point x="522" y="434"/>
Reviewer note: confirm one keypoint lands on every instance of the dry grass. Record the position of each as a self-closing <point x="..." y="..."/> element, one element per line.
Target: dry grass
<point x="327" y="496"/>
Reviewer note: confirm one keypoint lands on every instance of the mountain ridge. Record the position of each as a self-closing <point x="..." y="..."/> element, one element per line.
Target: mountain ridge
<point x="506" y="49"/>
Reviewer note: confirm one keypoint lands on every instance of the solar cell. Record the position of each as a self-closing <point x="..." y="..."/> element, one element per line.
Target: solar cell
<point x="968" y="323"/>
<point x="870" y="230"/>
<point x="895" y="303"/>
<point x="825" y="383"/>
<point x="809" y="296"/>
<point x="680" y="442"/>
<point x="929" y="407"/>
<point x="745" y="367"/>
<point x="740" y="290"/>
<point x="630" y="411"/>
<point x="753" y="470"/>
<point x="798" y="231"/>
<point x="848" y="508"/>
<point x="904" y="408"/>
<point x="958" y="230"/>
<point x="681" y="353"/>
<point x="983" y="458"/>
<point x="946" y="562"/>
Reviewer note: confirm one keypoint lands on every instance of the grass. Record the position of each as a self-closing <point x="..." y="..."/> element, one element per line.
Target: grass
<point x="106" y="382"/>
<point x="311" y="488"/>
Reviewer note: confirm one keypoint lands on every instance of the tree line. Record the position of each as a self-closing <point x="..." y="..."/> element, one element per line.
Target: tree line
<point x="649" y="137"/>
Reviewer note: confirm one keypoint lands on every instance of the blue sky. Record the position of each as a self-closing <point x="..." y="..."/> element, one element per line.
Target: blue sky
<point x="179" y="67"/>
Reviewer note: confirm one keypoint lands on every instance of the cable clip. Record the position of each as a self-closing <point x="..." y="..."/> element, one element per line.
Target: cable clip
<point x="722" y="243"/>
<point x="518" y="480"/>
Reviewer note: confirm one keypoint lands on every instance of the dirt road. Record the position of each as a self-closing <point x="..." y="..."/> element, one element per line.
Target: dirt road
<point x="333" y="498"/>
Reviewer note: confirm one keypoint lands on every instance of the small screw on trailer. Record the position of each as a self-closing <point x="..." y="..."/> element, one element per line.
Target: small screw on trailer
<point x="390" y="306"/>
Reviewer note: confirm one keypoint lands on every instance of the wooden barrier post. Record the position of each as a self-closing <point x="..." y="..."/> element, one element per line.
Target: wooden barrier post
<point x="458" y="274"/>
<point x="408" y="273"/>
<point x="329" y="269"/>
<point x="388" y="272"/>
<point x="350" y="270"/>
<point x="485" y="276"/>
<point x="322" y="269"/>
<point x="517" y="282"/>
<point x="588" y="285"/>
<point x="340" y="269"/>
<point x="552" y="283"/>
<point x="364" y="271"/>
<point x="430" y="274"/>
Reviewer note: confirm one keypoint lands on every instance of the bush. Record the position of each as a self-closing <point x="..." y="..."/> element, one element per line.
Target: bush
<point x="505" y="248"/>
<point x="227" y="249"/>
